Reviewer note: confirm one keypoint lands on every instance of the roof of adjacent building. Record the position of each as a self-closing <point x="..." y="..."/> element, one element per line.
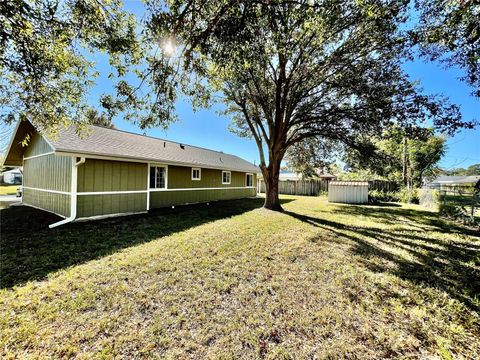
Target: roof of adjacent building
<point x="348" y="183"/>
<point x="446" y="179"/>
<point x="327" y="176"/>
<point x="100" y="141"/>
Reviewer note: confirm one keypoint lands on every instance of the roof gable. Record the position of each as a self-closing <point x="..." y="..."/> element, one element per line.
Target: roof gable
<point x="17" y="147"/>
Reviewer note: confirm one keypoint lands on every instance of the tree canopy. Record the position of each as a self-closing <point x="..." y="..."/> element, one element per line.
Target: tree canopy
<point x="407" y="157"/>
<point x="449" y="31"/>
<point x="470" y="170"/>
<point x="47" y="51"/>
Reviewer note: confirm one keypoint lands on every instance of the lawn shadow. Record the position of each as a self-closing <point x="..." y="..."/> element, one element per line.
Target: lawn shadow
<point x="30" y="250"/>
<point x="431" y="262"/>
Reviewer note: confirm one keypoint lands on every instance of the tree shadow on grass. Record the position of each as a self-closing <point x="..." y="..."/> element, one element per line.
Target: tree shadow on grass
<point x="449" y="264"/>
<point x="30" y="250"/>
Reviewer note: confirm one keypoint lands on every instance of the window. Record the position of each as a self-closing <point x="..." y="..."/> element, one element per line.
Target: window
<point x="158" y="177"/>
<point x="196" y="174"/>
<point x="249" y="180"/>
<point x="226" y="177"/>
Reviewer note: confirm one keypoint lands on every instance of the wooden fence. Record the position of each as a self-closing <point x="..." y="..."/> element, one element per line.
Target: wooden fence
<point x="298" y="187"/>
<point x="382" y="185"/>
<point x="315" y="187"/>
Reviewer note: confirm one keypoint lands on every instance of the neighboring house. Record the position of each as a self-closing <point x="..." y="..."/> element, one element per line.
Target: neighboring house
<point x="289" y="176"/>
<point x="449" y="181"/>
<point x="108" y="172"/>
<point x="327" y="177"/>
<point x="12" y="177"/>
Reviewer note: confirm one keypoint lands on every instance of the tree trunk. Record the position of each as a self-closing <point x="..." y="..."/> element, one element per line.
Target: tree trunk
<point x="404" y="161"/>
<point x="271" y="176"/>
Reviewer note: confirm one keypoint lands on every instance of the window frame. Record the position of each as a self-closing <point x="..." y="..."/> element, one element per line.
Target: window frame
<point x="246" y="179"/>
<point x="199" y="174"/>
<point x="229" y="177"/>
<point x="150" y="166"/>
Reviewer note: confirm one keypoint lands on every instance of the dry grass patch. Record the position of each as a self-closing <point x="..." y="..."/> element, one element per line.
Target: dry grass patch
<point x="236" y="281"/>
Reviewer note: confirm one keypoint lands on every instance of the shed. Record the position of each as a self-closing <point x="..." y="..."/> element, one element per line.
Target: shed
<point x="107" y="172"/>
<point x="348" y="192"/>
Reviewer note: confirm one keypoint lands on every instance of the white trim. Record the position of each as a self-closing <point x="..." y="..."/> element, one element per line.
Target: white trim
<point x="39" y="155"/>
<point x="10" y="144"/>
<point x="99" y="217"/>
<point x="112" y="192"/>
<point x="212" y="188"/>
<point x="148" y="185"/>
<point x="229" y="177"/>
<point x="47" y="190"/>
<point x="73" y="196"/>
<point x="199" y="174"/>
<point x="146" y="161"/>
<point x="246" y="179"/>
<point x="150" y="165"/>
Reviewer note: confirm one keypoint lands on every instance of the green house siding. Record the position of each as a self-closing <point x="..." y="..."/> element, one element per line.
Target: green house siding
<point x="160" y="199"/>
<point x="49" y="172"/>
<point x="105" y="175"/>
<point x="38" y="145"/>
<point x="180" y="177"/>
<point x="98" y="205"/>
<point x="54" y="202"/>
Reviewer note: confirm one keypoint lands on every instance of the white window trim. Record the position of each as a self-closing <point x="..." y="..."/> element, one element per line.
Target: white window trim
<point x="166" y="178"/>
<point x="199" y="174"/>
<point x="229" y="177"/>
<point x="246" y="179"/>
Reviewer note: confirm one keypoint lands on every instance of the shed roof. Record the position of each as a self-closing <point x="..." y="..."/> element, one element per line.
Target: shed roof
<point x="101" y="141"/>
<point x="349" y="183"/>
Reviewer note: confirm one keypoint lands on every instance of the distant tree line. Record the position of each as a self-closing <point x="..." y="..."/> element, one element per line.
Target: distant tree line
<point x="471" y="170"/>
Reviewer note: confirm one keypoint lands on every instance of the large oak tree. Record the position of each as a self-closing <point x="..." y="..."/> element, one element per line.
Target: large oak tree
<point x="286" y="70"/>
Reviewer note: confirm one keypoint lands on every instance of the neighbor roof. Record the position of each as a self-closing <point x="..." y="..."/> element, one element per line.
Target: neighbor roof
<point x="456" y="179"/>
<point x="101" y="141"/>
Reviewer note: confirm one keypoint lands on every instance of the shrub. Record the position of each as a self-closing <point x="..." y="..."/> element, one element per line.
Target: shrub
<point x="375" y="196"/>
<point x="409" y="196"/>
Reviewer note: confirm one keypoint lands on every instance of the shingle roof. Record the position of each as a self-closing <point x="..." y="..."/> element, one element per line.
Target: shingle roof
<point x="117" y="143"/>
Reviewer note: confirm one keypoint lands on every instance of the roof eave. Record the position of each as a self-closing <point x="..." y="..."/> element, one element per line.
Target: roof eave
<point x="67" y="152"/>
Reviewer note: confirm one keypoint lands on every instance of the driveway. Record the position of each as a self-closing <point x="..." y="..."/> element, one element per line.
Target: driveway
<point x="7" y="200"/>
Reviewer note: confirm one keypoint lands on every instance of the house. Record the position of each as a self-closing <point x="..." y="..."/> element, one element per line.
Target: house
<point x="454" y="181"/>
<point x="327" y="177"/>
<point x="107" y="172"/>
<point x="12" y="177"/>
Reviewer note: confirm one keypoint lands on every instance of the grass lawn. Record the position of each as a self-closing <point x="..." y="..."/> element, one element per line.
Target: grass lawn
<point x="8" y="189"/>
<point x="233" y="280"/>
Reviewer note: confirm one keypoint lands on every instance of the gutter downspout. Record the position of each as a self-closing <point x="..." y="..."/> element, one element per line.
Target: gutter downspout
<point x="73" y="195"/>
